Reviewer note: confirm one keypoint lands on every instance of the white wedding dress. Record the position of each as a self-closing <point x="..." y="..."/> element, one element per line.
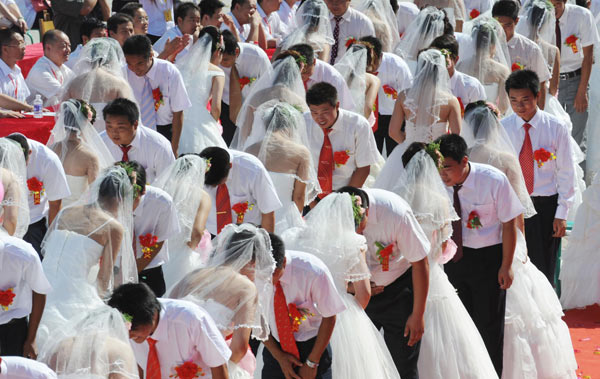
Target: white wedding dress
<point x="77" y="186"/>
<point x="288" y="215"/>
<point x="183" y="259"/>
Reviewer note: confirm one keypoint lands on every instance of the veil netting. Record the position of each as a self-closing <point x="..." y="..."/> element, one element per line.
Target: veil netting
<point x="312" y="26"/>
<point x="13" y="170"/>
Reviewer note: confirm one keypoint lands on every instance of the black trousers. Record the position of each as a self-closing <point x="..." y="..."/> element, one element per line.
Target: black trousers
<point x="475" y="278"/>
<point x="228" y="125"/>
<point x="272" y="370"/>
<point x="35" y="235"/>
<point x="382" y="134"/>
<point x="541" y="246"/>
<point x="154" y="278"/>
<point x="12" y="336"/>
<point x="166" y="131"/>
<point x="390" y="310"/>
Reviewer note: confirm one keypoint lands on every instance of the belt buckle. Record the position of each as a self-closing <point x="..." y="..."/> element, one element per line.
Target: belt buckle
<point x="564" y="76"/>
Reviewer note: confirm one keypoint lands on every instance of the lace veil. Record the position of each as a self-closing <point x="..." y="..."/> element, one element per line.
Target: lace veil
<point x="538" y="24"/>
<point x="419" y="35"/>
<point x="384" y="20"/>
<point x="353" y="67"/>
<point x="14" y="179"/>
<point x="312" y="27"/>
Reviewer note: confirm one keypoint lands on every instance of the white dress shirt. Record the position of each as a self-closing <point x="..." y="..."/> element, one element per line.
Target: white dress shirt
<point x="74" y="57"/>
<point x="21" y="270"/>
<point x="164" y="75"/>
<point x="527" y="53"/>
<point x="353" y="24"/>
<point x="307" y="283"/>
<point x="391" y="220"/>
<point x="555" y="176"/>
<point x="160" y="15"/>
<point x="481" y="6"/>
<point x="392" y="72"/>
<point x="466" y="88"/>
<point x="47" y="79"/>
<point x="251" y="63"/>
<point x="28" y="12"/>
<point x="576" y="21"/>
<point x="249" y="181"/>
<point x="156" y="214"/>
<point x="407" y="12"/>
<point x="351" y="133"/>
<point x="243" y="30"/>
<point x="45" y="166"/>
<point x="19" y="367"/>
<point x="185" y="332"/>
<point x="12" y="82"/>
<point x="272" y="25"/>
<point x="324" y="72"/>
<point x="487" y="192"/>
<point x="171" y="34"/>
<point x="287" y="14"/>
<point x="151" y="149"/>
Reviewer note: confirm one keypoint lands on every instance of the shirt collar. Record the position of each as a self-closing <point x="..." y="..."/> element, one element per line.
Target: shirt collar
<point x="563" y="18"/>
<point x="262" y="13"/>
<point x="178" y="31"/>
<point x="338" y="122"/>
<point x="286" y="278"/>
<point x="7" y="70"/>
<point x="136" y="140"/>
<point x="151" y="74"/>
<point x="469" y="181"/>
<point x="236" y="22"/>
<point x="534" y="120"/>
<point x="53" y="66"/>
<point x="345" y="16"/>
<point x="161" y="332"/>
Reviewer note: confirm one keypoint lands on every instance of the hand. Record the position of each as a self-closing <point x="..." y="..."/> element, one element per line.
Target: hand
<point x="375" y="289"/>
<point x="560" y="227"/>
<point x="287" y="362"/>
<point x="21" y="24"/>
<point x="581" y="101"/>
<point x="505" y="277"/>
<point x="10" y="114"/>
<point x="415" y="327"/>
<point x="255" y="19"/>
<point x="307" y="372"/>
<point x="29" y="350"/>
<point x="173" y="46"/>
<point x="227" y="20"/>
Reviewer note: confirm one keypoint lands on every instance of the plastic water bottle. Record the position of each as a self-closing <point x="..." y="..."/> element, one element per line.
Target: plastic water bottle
<point x="37" y="107"/>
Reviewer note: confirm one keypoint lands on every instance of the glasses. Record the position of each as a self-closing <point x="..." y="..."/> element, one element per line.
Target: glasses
<point x="142" y="18"/>
<point x="20" y="46"/>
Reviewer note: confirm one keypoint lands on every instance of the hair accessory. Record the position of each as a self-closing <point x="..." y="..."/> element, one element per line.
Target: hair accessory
<point x="208" y="164"/>
<point x="433" y="148"/>
<point x="137" y="189"/>
<point x="357" y="210"/>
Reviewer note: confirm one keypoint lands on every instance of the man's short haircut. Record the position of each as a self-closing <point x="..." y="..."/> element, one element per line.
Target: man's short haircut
<point x="51" y="36"/>
<point x="122" y="107"/>
<point x="118" y="19"/>
<point x="230" y="42"/>
<point x="138" y="45"/>
<point x="306" y="51"/>
<point x="210" y="7"/>
<point x="452" y="146"/>
<point x="506" y="8"/>
<point x="353" y="191"/>
<point x="131" y="8"/>
<point x="523" y="79"/>
<point x="375" y="44"/>
<point x="184" y="9"/>
<point x="219" y="164"/>
<point x="237" y="2"/>
<point x="22" y="141"/>
<point x="136" y="300"/>
<point x="448" y="42"/>
<point x="90" y="24"/>
<point x="6" y="37"/>
<point x="322" y="93"/>
<point x="277" y="249"/>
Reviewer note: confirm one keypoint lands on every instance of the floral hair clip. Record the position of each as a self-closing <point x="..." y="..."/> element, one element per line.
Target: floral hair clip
<point x="357" y="210"/>
<point x="433" y="149"/>
<point x="88" y="111"/>
<point x="128" y="319"/>
<point x="137" y="189"/>
<point x="208" y="165"/>
<point x="301" y="59"/>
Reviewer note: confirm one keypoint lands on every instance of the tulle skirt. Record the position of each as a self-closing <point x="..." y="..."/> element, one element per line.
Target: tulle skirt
<point x="199" y="130"/>
<point x="183" y="260"/>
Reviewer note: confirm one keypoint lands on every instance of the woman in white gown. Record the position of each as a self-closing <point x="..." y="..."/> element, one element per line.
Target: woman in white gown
<point x="88" y="250"/>
<point x="82" y="152"/>
<point x="537" y="343"/>
<point x="382" y="15"/>
<point x="235" y="288"/>
<point x="359" y="350"/>
<point x="427" y="110"/>
<point x="184" y="181"/>
<point x="204" y="82"/>
<point x="13" y="173"/>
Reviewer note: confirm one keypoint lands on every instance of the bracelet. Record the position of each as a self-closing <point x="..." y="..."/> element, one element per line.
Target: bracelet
<point x="311" y="364"/>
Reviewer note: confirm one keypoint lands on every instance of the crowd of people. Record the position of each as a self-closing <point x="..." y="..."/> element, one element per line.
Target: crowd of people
<point x="299" y="189"/>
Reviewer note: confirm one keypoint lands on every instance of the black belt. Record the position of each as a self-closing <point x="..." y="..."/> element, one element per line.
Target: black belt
<point x="569" y="75"/>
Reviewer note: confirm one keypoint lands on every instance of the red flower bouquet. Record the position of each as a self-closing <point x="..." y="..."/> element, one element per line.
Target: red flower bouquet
<point x="542" y="156"/>
<point x="340" y="158"/>
<point x="240" y="209"/>
<point x="571" y="41"/>
<point x="297" y="316"/>
<point x="149" y="244"/>
<point x="350" y="41"/>
<point x="245" y="81"/>
<point x="390" y="92"/>
<point x="474" y="13"/>
<point x="473" y="221"/>
<point x="516" y="66"/>
<point x="36" y="188"/>
<point x="187" y="370"/>
<point x="158" y="98"/>
<point x="384" y="253"/>
<point x="6" y="298"/>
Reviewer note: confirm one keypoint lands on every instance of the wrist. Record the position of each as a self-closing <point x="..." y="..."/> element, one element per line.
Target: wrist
<point x="311" y="363"/>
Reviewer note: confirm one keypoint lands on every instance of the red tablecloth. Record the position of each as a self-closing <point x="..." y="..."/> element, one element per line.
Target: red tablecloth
<point x="35" y="128"/>
<point x="32" y="54"/>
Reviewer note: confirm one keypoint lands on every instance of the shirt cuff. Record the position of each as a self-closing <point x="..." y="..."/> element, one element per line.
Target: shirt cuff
<point x="561" y="212"/>
<point x="3" y="370"/>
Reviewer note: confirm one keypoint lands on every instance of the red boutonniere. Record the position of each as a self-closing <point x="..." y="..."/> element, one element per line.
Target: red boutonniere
<point x="36" y="188"/>
<point x="350" y="41"/>
<point x="384" y="253"/>
<point x="149" y="244"/>
<point x="542" y="156"/>
<point x="6" y="298"/>
<point x="245" y="81"/>
<point x="187" y="370"/>
<point x="390" y="92"/>
<point x="240" y="209"/>
<point x="158" y="98"/>
<point x="571" y="41"/>
<point x="462" y="107"/>
<point x="517" y="66"/>
<point x="340" y="158"/>
<point x="298" y="315"/>
<point x="474" y="13"/>
<point x="473" y="221"/>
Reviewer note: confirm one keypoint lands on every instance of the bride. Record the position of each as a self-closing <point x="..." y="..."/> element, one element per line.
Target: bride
<point x="13" y="174"/>
<point x="422" y="113"/>
<point x="204" y="81"/>
<point x="79" y="147"/>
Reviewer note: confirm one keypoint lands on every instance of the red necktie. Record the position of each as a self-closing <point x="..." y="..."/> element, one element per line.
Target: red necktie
<point x="526" y="159"/>
<point x="325" y="169"/>
<point x="223" y="207"/>
<point x="283" y="322"/>
<point x="125" y="150"/>
<point x="153" y="365"/>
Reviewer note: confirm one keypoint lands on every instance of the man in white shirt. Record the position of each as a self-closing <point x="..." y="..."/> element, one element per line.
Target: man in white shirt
<point x="187" y="17"/>
<point x="246" y="20"/>
<point x="485" y="236"/>
<point x="167" y="333"/>
<point x="550" y="180"/>
<point x="90" y="28"/>
<point x="272" y="26"/>
<point x="49" y="73"/>
<point x="120" y="27"/>
<point x="127" y="140"/>
<point x="158" y="87"/>
<point x="303" y="280"/>
<point x="241" y="190"/>
<point x="474" y="8"/>
<point x="12" y="50"/>
<point x="22" y="279"/>
<point x="406" y="13"/>
<point x="341" y="142"/>
<point x="400" y="279"/>
<point x="287" y="13"/>
<point x="211" y="14"/>
<point x="23" y="368"/>
<point x="347" y="24"/>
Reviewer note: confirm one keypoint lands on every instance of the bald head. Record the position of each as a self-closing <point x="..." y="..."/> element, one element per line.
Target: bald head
<point x="57" y="46"/>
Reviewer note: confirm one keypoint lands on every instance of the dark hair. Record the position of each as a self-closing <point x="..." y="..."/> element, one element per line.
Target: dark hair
<point x="395" y="6"/>
<point x="131" y="8"/>
<point x="184" y="9"/>
<point x="448" y="28"/>
<point x="122" y="107"/>
<point x="240" y="237"/>
<point x="411" y="150"/>
<point x="237" y="2"/>
<point x="219" y="164"/>
<point x="523" y="79"/>
<point x="321" y="93"/>
<point x="452" y="146"/>
<point x="289" y="53"/>
<point x="484" y="36"/>
<point x="136" y="300"/>
<point x="230" y="42"/>
<point x="536" y="15"/>
<point x="215" y="36"/>
<point x="306" y="51"/>
<point x="140" y="171"/>
<point x="110" y="188"/>
<point x="21" y="140"/>
<point x="506" y="8"/>
<point x="138" y="45"/>
<point x="375" y="43"/>
<point x="277" y="249"/>
<point x="6" y="36"/>
<point x="353" y="191"/>
<point x="89" y="24"/>
<point x="118" y="19"/>
<point x="51" y="36"/>
<point x="210" y="7"/>
<point x="582" y="3"/>
<point x="447" y="42"/>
